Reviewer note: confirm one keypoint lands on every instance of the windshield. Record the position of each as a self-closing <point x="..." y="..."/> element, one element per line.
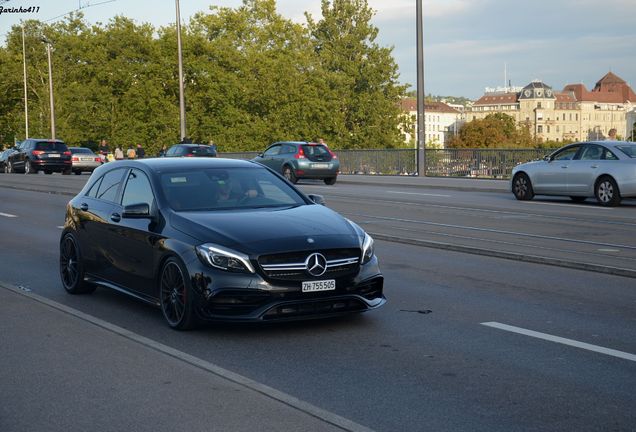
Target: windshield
<point x="227" y="188"/>
<point x="629" y="150"/>
<point x="82" y="150"/>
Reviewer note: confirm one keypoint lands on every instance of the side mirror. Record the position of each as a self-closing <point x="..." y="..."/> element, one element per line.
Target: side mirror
<point x="547" y="158"/>
<point x="260" y="155"/>
<point x="136" y="211"/>
<point x="317" y="199"/>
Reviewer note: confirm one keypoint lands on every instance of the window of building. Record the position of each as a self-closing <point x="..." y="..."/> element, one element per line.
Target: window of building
<point x="540" y="129"/>
<point x="577" y="117"/>
<point x="538" y="104"/>
<point x="548" y="128"/>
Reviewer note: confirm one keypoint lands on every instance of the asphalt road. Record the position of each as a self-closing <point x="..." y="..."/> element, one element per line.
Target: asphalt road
<point x="466" y="341"/>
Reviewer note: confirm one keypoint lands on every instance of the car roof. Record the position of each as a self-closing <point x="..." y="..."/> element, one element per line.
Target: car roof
<point x="160" y="164"/>
<point x="297" y="143"/>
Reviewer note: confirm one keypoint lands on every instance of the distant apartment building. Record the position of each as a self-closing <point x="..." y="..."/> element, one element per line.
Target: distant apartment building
<point x="440" y="121"/>
<point x="571" y="114"/>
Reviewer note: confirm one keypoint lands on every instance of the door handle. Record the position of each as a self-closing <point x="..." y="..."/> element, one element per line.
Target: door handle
<point x="594" y="166"/>
<point x="84" y="206"/>
<point x="115" y="217"/>
<point x="564" y="166"/>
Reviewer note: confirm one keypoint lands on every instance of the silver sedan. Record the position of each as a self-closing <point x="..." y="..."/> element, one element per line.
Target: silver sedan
<point x="84" y="159"/>
<point x="602" y="169"/>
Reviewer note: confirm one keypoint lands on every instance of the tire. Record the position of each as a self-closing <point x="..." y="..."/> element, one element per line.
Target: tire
<point x="175" y="296"/>
<point x="72" y="267"/>
<point x="522" y="187"/>
<point x="578" y="199"/>
<point x="48" y="172"/>
<point x="288" y="173"/>
<point x="330" y="181"/>
<point x="28" y="168"/>
<point x="78" y="173"/>
<point x="606" y="192"/>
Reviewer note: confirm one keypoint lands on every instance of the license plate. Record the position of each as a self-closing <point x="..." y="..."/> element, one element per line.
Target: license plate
<point x="320" y="165"/>
<point x="86" y="159"/>
<point x="323" y="285"/>
<point x="54" y="155"/>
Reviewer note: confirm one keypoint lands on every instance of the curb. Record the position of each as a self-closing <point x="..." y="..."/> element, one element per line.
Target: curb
<point x="52" y="192"/>
<point x="424" y="186"/>
<point x="269" y="392"/>
<point x="535" y="259"/>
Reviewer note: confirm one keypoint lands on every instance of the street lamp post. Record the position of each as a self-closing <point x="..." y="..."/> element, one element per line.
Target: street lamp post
<point x="26" y="108"/>
<point x="48" y="53"/>
<point x="421" y="137"/>
<point x="182" y="114"/>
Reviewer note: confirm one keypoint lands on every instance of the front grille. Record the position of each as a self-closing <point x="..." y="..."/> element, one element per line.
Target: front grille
<point x="292" y="266"/>
<point x="314" y="308"/>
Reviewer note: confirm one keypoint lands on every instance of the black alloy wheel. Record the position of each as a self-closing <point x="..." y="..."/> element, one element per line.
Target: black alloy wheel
<point x="606" y="191"/>
<point x="522" y="188"/>
<point x="288" y="173"/>
<point x="330" y="181"/>
<point x="72" y="268"/>
<point x="578" y="199"/>
<point x="175" y="297"/>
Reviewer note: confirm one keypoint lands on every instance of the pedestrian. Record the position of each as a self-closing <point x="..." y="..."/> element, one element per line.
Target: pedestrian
<point x="119" y="153"/>
<point x="103" y="147"/>
<point x="140" y="152"/>
<point x="611" y="135"/>
<point x="130" y="153"/>
<point x="163" y="151"/>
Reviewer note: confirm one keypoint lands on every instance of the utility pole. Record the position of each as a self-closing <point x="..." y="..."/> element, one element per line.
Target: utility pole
<point x="421" y="134"/>
<point x="182" y="114"/>
<point x="26" y="108"/>
<point x="48" y="53"/>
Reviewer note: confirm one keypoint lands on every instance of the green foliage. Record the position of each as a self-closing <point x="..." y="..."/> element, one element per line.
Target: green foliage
<point x="251" y="77"/>
<point x="496" y="130"/>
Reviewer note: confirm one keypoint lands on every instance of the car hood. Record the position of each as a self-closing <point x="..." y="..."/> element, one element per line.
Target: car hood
<point x="263" y="231"/>
<point x="530" y="164"/>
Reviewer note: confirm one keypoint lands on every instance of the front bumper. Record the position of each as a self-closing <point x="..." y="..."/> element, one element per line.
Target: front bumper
<point x="239" y="297"/>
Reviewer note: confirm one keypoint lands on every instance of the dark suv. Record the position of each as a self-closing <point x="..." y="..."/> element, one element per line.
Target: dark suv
<point x="296" y="160"/>
<point x="191" y="150"/>
<point x="35" y="155"/>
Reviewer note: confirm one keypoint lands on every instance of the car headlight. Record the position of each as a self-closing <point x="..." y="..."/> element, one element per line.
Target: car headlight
<point x="367" y="249"/>
<point x="224" y="258"/>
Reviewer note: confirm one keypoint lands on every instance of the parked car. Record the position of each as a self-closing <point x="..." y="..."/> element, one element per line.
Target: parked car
<point x="35" y="155"/>
<point x="604" y="169"/>
<point x="191" y="150"/>
<point x="216" y="239"/>
<point x="301" y="160"/>
<point x="4" y="155"/>
<point x="84" y="160"/>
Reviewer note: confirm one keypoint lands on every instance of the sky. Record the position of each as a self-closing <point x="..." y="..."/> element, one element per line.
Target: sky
<point x="468" y="44"/>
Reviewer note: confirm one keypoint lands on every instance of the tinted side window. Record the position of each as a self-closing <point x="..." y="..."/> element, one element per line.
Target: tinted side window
<point x="567" y="154"/>
<point x="110" y="185"/>
<point x="592" y="152"/>
<point x="272" y="151"/>
<point x="137" y="190"/>
<point x="92" y="192"/>
<point x="171" y="151"/>
<point x="289" y="149"/>
<point x="608" y="155"/>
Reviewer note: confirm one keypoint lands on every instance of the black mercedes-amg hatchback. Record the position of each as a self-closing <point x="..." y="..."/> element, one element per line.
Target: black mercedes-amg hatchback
<point x="216" y="239"/>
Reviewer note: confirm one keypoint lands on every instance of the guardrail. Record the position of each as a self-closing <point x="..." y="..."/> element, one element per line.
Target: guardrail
<point x="478" y="163"/>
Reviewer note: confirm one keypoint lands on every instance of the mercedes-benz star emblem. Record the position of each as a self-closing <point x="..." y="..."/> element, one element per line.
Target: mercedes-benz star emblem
<point x="316" y="264"/>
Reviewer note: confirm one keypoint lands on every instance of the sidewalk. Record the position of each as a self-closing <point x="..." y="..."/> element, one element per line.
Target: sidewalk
<point x="452" y="183"/>
<point x="62" y="370"/>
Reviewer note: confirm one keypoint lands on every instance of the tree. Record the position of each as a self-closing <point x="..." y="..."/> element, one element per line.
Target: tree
<point x="497" y="130"/>
<point x="363" y="91"/>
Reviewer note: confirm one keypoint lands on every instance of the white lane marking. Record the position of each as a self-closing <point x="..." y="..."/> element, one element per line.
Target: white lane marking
<point x="564" y="341"/>
<point x="419" y="193"/>
<point x="8" y="215"/>
<point x="609" y="250"/>
<point x="572" y="206"/>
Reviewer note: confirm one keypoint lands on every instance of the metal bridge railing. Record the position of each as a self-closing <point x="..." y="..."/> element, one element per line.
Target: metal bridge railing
<point x="478" y="163"/>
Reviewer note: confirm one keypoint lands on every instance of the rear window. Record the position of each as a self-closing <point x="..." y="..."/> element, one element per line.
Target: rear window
<point x="51" y="146"/>
<point x="629" y="150"/>
<point x="81" y="150"/>
<point x="315" y="150"/>
<point x="203" y="150"/>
